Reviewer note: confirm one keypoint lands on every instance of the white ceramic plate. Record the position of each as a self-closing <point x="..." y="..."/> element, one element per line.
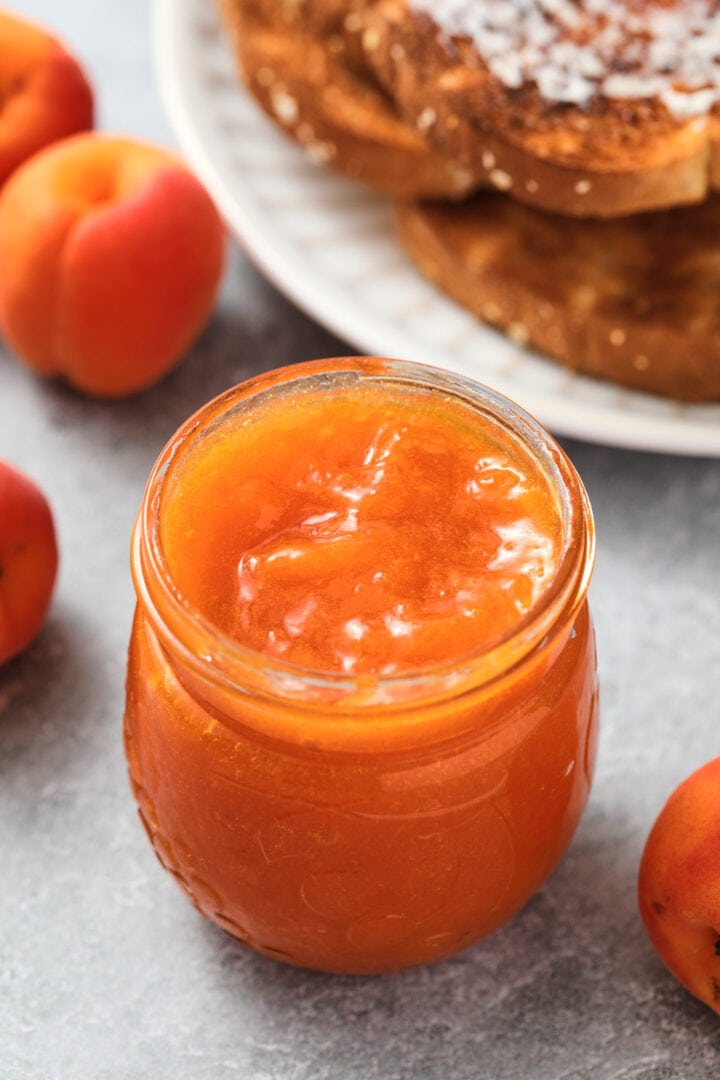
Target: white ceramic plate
<point x="328" y="244"/>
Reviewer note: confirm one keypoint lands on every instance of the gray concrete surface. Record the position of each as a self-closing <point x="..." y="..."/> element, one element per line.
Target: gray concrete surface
<point x="105" y="969"/>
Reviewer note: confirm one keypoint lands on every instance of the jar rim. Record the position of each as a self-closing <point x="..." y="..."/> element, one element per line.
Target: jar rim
<point x="216" y="657"/>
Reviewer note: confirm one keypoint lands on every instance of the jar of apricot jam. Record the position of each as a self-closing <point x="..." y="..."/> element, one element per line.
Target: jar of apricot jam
<point x="361" y="697"/>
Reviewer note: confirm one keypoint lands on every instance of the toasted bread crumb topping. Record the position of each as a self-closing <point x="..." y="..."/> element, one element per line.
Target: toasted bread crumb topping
<point x="576" y="51"/>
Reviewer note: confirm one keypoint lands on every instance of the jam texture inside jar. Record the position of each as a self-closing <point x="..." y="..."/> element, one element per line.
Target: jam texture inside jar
<point x="361" y="701"/>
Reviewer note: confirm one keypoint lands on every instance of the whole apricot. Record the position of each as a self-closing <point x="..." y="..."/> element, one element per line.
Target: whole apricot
<point x="28" y="560"/>
<point x="679" y="884"/>
<point x="44" y="94"/>
<point x="111" y="253"/>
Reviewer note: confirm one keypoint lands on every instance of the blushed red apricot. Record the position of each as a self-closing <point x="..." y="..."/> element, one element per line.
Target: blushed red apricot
<point x="44" y="94"/>
<point x="111" y="253"/>
<point x="679" y="884"/>
<point x="28" y="560"/>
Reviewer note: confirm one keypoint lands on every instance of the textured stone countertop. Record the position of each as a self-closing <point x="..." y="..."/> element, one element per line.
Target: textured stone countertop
<point x="107" y="972"/>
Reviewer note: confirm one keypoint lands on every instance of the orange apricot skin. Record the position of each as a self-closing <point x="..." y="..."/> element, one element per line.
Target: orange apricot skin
<point x="28" y="560"/>
<point x="44" y="94"/>
<point x="679" y="884"/>
<point x="111" y="253"/>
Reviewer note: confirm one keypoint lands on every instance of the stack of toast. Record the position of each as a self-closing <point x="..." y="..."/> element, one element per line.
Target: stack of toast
<point x="554" y="162"/>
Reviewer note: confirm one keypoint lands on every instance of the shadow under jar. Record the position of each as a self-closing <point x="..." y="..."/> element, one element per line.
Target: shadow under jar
<point x="361" y="698"/>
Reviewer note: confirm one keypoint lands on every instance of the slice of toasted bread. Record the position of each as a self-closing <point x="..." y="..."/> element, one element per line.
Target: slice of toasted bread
<point x="572" y="148"/>
<point x="635" y="300"/>
<point x="307" y="76"/>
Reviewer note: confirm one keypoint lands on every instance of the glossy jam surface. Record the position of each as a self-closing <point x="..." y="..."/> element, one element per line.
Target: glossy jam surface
<point x="362" y="531"/>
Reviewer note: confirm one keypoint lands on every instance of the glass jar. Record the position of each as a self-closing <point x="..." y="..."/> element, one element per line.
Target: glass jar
<point x="371" y="822"/>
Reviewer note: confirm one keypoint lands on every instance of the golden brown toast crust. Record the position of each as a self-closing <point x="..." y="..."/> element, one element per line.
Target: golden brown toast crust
<point x="636" y="300"/>
<point x="606" y="158"/>
<point x="306" y="71"/>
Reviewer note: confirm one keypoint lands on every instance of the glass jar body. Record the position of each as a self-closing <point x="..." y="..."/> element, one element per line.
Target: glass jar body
<point x="364" y="862"/>
<point x="360" y="825"/>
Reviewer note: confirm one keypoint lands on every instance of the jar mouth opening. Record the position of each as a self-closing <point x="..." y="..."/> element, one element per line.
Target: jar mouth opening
<point x="218" y="657"/>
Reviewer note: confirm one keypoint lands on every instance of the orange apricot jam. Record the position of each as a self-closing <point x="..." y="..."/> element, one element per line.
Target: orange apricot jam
<point x="361" y="699"/>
